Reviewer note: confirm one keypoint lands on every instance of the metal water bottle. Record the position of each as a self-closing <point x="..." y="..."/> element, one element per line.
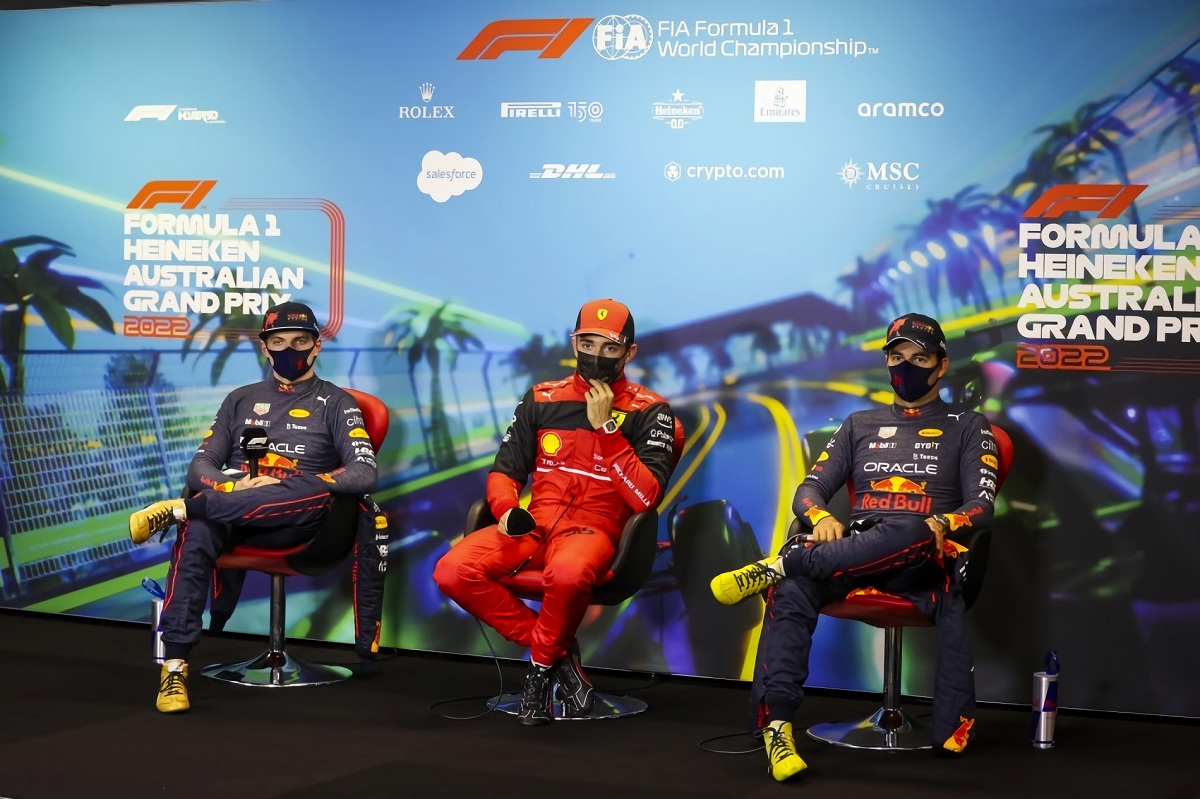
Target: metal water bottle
<point x="1045" y="702"/>
<point x="156" y="605"/>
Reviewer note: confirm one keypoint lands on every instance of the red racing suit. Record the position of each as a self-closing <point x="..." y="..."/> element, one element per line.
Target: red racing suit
<point x="586" y="484"/>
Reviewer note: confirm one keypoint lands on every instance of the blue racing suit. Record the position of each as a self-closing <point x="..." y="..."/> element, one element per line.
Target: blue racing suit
<point x="904" y="465"/>
<point x="318" y="445"/>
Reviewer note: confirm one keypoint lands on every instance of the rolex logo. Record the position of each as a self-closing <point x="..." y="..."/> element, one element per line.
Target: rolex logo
<point x="426" y="110"/>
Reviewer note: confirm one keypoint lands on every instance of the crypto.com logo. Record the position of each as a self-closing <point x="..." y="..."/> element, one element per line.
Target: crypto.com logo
<point x="1108" y="200"/>
<point x="188" y="193"/>
<point x="549" y="37"/>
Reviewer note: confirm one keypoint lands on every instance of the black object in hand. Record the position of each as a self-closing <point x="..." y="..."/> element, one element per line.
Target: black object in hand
<point x="520" y="522"/>
<point x="254" y="445"/>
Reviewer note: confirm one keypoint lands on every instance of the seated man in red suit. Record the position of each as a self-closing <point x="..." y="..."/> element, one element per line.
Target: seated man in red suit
<point x="598" y="448"/>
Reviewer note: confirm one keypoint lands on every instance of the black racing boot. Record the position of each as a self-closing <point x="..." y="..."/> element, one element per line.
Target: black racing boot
<point x="572" y="686"/>
<point x="535" y="697"/>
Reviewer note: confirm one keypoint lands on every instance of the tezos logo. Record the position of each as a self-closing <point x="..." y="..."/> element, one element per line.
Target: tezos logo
<point x="618" y="37"/>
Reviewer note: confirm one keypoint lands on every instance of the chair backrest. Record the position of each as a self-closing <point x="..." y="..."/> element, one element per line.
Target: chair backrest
<point x="376" y="418"/>
<point x="634" y="559"/>
<point x="333" y="542"/>
<point x="977" y="542"/>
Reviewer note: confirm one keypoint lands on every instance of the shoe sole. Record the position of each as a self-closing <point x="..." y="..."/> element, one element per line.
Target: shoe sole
<point x="726" y="597"/>
<point x="789" y="772"/>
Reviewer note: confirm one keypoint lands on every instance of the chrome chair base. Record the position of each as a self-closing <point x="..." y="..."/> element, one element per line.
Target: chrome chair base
<point x="273" y="669"/>
<point x="888" y="730"/>
<point x="606" y="706"/>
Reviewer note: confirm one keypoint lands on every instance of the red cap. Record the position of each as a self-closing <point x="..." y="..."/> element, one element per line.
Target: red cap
<point x="607" y="318"/>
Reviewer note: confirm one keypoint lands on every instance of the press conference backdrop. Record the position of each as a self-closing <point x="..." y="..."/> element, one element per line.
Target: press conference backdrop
<point x="766" y="184"/>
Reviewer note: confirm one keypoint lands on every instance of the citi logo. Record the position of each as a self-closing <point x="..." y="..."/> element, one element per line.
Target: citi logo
<point x="566" y="171"/>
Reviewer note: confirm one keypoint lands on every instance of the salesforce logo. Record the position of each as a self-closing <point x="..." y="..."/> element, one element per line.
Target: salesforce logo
<point x="901" y="109"/>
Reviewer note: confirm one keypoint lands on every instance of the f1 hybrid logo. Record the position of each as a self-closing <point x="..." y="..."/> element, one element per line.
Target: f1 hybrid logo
<point x="188" y="193"/>
<point x="1108" y="200"/>
<point x="159" y="112"/>
<point x="550" y="37"/>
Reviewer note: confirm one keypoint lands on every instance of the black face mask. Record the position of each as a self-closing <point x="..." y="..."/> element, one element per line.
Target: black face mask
<point x="593" y="367"/>
<point x="290" y="364"/>
<point x="911" y="382"/>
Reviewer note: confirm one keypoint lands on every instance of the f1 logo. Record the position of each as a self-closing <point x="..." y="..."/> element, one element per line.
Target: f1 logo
<point x="550" y="36"/>
<point x="159" y="112"/>
<point x="188" y="193"/>
<point x="1108" y="200"/>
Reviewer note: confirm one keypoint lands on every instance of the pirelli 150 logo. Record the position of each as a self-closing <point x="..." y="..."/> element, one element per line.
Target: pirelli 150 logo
<point x="182" y="260"/>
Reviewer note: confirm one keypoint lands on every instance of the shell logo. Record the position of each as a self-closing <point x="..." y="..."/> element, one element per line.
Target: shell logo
<point x="551" y="443"/>
<point x="298" y="413"/>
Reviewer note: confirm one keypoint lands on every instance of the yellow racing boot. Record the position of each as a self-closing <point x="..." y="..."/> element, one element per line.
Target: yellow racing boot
<point x="732" y="587"/>
<point x="172" y="688"/>
<point x="155" y="519"/>
<point x="781" y="751"/>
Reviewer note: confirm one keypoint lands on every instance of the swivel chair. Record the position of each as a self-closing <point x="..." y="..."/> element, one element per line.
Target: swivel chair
<point x="323" y="552"/>
<point x="631" y="567"/>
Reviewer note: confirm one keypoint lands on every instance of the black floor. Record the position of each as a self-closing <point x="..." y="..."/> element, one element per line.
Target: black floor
<point x="77" y="720"/>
